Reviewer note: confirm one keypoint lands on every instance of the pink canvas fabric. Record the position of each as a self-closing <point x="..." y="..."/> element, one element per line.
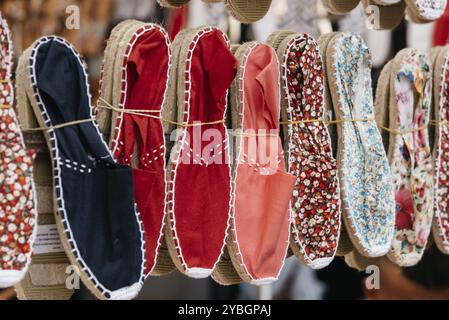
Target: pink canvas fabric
<point x="263" y="188"/>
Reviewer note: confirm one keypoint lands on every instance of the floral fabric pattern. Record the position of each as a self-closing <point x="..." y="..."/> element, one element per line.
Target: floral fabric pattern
<point x="316" y="200"/>
<point x="441" y="226"/>
<point x="17" y="202"/>
<point x="430" y="9"/>
<point x="365" y="178"/>
<point x="412" y="161"/>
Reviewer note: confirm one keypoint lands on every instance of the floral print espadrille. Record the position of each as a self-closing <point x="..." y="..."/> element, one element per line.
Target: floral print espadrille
<point x="96" y="215"/>
<point x="345" y="245"/>
<point x="367" y="191"/>
<point x="410" y="94"/>
<point x="425" y="10"/>
<point x="315" y="209"/>
<point x="441" y="149"/>
<point x="18" y="212"/>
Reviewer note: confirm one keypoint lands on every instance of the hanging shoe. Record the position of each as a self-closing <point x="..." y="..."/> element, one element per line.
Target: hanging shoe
<point x="315" y="209"/>
<point x="403" y="103"/>
<point x="18" y="212"/>
<point x="260" y="220"/>
<point x="137" y="58"/>
<point x="365" y="178"/>
<point x="96" y="214"/>
<point x="440" y="61"/>
<point x="199" y="173"/>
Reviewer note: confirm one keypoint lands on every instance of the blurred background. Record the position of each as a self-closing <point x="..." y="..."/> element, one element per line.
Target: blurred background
<point x="31" y="19"/>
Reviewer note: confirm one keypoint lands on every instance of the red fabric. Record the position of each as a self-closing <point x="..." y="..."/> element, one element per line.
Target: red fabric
<point x="142" y="137"/>
<point x="262" y="218"/>
<point x="202" y="188"/>
<point x="177" y="21"/>
<point x="441" y="34"/>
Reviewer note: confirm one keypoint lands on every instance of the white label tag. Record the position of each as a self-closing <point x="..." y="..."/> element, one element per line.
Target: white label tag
<point x="47" y="240"/>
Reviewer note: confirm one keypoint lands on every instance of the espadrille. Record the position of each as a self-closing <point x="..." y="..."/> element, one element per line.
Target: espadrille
<point x="248" y="11"/>
<point x="315" y="209"/>
<point x="344" y="244"/>
<point x="360" y="263"/>
<point x="367" y="191"/>
<point x="386" y="2"/>
<point x="46" y="278"/>
<point x="18" y="212"/>
<point x="225" y="273"/>
<point x="173" y="3"/>
<point x="142" y="60"/>
<point x="409" y="153"/>
<point x="441" y="149"/>
<point x="96" y="214"/>
<point x="388" y="16"/>
<point x="422" y="11"/>
<point x="262" y="189"/>
<point x="111" y="86"/>
<point x="340" y="6"/>
<point x="199" y="173"/>
<point x="104" y="116"/>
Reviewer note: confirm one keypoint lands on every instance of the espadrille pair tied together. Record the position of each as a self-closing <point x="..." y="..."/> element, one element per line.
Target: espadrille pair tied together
<point x="243" y="10"/>
<point x="403" y="107"/>
<point x="95" y="212"/>
<point x="387" y="14"/>
<point x="440" y="59"/>
<point x="138" y="57"/>
<point x="97" y="195"/>
<point x="17" y="192"/>
<point x="404" y="101"/>
<point x="368" y="209"/>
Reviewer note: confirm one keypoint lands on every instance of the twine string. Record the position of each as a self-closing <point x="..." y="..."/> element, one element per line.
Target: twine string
<point x="437" y="123"/>
<point x="327" y="122"/>
<point x="146" y="113"/>
<point x="403" y="132"/>
<point x="60" y="126"/>
<point x="390" y="130"/>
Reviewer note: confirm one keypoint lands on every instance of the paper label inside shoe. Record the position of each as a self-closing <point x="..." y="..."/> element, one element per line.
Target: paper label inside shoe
<point x="47" y="240"/>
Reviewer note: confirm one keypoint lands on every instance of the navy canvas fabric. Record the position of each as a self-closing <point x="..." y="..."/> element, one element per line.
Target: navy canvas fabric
<point x="99" y="202"/>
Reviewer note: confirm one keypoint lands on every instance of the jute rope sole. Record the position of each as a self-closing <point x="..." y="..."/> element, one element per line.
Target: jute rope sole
<point x="341" y="6"/>
<point x="388" y="17"/>
<point x="248" y="11"/>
